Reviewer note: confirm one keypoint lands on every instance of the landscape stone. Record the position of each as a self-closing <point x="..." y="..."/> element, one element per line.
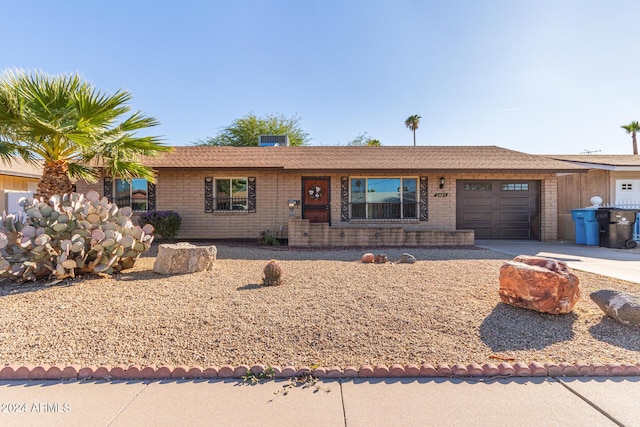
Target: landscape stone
<point x="406" y="259"/>
<point x="183" y="257"/>
<point x="537" y="283"/>
<point x="381" y="259"/>
<point x="619" y="305"/>
<point x="368" y="258"/>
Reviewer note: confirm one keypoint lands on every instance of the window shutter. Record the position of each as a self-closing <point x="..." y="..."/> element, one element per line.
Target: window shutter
<point x="107" y="188"/>
<point x="344" y="199"/>
<point x="151" y="196"/>
<point x="208" y="194"/>
<point x="424" y="199"/>
<point x="252" y="194"/>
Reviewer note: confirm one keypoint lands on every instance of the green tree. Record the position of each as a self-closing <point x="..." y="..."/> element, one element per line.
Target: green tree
<point x="74" y="128"/>
<point x="244" y="132"/>
<point x="632" y="128"/>
<point x="412" y="123"/>
<point x="364" y="139"/>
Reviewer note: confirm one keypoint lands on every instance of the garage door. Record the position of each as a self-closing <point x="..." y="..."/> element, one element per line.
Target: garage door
<point x="499" y="209"/>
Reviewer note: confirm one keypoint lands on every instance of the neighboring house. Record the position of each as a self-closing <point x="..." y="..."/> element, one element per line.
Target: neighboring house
<point x="352" y="196"/>
<point x="615" y="178"/>
<point x="17" y="180"/>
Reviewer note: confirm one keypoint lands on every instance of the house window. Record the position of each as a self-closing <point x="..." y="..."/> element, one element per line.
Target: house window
<point x="514" y="187"/>
<point x="133" y="193"/>
<point x="484" y="186"/>
<point x="383" y="198"/>
<point x="231" y="194"/>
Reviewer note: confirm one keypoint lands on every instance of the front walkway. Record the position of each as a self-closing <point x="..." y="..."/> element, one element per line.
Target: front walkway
<point x="616" y="263"/>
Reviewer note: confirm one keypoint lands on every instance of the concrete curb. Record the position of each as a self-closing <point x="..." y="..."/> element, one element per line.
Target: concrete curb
<point x="458" y="370"/>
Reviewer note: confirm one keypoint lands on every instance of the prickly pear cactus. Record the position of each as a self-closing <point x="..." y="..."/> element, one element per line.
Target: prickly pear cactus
<point x="272" y="273"/>
<point x="68" y="236"/>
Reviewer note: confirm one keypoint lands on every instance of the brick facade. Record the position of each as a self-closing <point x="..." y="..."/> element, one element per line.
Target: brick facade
<point x="182" y="190"/>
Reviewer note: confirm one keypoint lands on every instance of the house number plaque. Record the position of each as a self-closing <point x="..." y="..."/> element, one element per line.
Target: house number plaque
<point x="441" y="195"/>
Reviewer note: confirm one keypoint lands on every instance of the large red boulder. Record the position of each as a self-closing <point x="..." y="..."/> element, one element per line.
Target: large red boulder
<point x="537" y="283"/>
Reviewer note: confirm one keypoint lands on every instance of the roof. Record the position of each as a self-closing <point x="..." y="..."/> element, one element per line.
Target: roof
<point x="602" y="161"/>
<point x="440" y="158"/>
<point x="19" y="167"/>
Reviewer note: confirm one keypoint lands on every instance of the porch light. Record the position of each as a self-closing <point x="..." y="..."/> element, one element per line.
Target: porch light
<point x="292" y="205"/>
<point x="441" y="182"/>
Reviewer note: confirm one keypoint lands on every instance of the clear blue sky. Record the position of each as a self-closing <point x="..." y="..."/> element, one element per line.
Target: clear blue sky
<point x="540" y="76"/>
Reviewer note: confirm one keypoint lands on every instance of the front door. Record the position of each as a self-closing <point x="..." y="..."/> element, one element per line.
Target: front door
<point x="316" y="199"/>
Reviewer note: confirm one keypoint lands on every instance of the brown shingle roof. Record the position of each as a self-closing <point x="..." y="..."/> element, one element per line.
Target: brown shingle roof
<point x="18" y="167"/>
<point x="597" y="159"/>
<point x="470" y="158"/>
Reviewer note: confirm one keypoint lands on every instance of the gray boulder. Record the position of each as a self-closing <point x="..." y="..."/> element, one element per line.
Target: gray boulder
<point x="406" y="259"/>
<point x="622" y="306"/>
<point x="183" y="257"/>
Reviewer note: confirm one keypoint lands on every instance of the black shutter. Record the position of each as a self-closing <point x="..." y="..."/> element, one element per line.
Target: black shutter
<point x="252" y="194"/>
<point x="151" y="196"/>
<point x="208" y="194"/>
<point x="344" y="199"/>
<point x="107" y="188"/>
<point x="424" y="199"/>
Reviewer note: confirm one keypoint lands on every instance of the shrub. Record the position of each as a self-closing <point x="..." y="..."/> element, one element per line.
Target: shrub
<point x="70" y="235"/>
<point x="267" y="239"/>
<point x="165" y="223"/>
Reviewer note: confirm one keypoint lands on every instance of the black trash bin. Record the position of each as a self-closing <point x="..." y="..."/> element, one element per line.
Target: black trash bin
<point x="616" y="228"/>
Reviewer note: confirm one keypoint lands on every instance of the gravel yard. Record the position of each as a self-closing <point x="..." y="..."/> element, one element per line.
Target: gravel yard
<point x="331" y="311"/>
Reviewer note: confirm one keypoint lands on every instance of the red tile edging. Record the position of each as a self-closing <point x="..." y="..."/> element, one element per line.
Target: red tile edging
<point x="458" y="370"/>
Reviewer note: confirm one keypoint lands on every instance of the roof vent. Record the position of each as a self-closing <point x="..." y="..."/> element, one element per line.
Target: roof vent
<point x="273" y="140"/>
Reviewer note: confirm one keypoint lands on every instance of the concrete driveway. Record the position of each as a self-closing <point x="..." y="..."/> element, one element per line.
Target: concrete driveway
<point x="616" y="263"/>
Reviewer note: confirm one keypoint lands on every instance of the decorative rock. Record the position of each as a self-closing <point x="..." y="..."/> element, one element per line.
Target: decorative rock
<point x="381" y="259"/>
<point x="368" y="258"/>
<point x="406" y="259"/>
<point x="183" y="257"/>
<point x="623" y="307"/>
<point x="540" y="284"/>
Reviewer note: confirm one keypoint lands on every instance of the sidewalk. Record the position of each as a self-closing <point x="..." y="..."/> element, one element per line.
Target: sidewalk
<point x="356" y="402"/>
<point x="594" y="259"/>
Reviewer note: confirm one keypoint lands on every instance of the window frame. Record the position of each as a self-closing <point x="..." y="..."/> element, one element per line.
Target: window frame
<point x="216" y="202"/>
<point x="401" y="202"/>
<point x="147" y="199"/>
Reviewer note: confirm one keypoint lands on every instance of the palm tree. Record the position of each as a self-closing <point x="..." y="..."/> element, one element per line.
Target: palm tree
<point x="412" y="123"/>
<point x="74" y="128"/>
<point x="632" y="128"/>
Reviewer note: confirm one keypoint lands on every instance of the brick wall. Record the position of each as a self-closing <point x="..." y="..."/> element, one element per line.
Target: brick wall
<point x="182" y="190"/>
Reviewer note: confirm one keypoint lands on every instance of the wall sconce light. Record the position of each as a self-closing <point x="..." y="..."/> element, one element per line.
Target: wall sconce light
<point x="292" y="204"/>
<point x="441" y="182"/>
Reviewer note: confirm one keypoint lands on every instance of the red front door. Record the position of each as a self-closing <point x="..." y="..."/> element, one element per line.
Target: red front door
<point x="316" y="199"/>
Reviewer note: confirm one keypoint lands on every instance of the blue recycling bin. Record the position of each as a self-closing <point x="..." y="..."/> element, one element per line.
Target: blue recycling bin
<point x="587" y="227"/>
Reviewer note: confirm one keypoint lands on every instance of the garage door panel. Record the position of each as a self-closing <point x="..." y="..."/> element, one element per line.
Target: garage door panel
<point x="521" y="217"/>
<point x="499" y="209"/>
<point x="478" y="216"/>
<point x="479" y="201"/>
<point x="483" y="233"/>
<point x="514" y="201"/>
<point x="516" y="233"/>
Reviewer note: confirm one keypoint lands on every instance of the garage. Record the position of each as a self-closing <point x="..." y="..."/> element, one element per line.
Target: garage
<point x="499" y="209"/>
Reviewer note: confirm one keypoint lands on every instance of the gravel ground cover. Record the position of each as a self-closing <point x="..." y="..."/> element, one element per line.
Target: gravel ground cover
<point x="332" y="310"/>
